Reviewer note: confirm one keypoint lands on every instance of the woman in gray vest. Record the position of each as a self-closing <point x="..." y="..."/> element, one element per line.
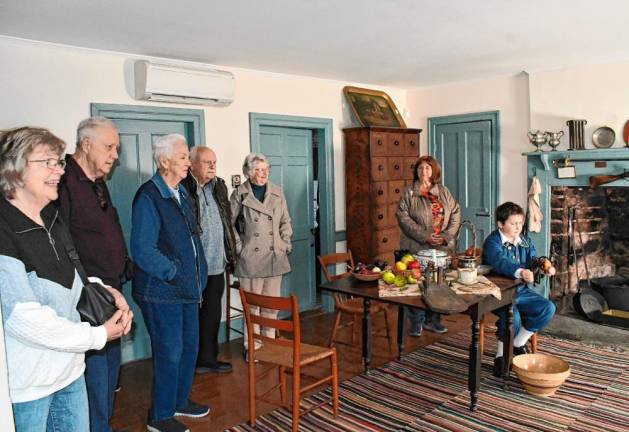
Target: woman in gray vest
<point x="261" y="219"/>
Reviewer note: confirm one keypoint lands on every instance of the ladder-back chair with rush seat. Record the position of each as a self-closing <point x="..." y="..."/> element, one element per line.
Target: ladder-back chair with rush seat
<point x="289" y="356"/>
<point x="350" y="306"/>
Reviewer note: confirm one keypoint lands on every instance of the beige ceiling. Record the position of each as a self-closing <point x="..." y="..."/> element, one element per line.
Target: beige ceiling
<point x="403" y="43"/>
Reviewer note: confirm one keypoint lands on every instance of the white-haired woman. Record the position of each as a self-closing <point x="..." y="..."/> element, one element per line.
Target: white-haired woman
<point x="169" y="277"/>
<point x="40" y="288"/>
<point x="261" y="219"/>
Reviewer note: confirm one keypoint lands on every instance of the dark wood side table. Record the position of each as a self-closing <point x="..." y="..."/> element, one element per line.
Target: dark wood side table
<point x="478" y="306"/>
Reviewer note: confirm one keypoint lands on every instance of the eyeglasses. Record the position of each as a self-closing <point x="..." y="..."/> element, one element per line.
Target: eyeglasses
<point x="51" y="164"/>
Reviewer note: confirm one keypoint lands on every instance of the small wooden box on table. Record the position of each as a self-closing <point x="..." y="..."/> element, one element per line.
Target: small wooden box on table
<point x="379" y="164"/>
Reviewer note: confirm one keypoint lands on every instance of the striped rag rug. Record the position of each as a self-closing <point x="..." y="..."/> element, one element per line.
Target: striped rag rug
<point x="427" y="391"/>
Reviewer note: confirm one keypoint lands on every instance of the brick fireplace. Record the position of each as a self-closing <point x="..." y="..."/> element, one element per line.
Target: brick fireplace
<point x="600" y="223"/>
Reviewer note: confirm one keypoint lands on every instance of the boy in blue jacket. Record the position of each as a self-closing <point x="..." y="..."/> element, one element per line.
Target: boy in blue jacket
<point x="510" y="254"/>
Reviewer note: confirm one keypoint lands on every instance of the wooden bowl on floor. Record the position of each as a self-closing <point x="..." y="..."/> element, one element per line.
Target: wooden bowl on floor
<point x="541" y="374"/>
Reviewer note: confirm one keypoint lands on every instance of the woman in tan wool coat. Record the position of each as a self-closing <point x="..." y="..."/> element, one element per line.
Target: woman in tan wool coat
<point x="429" y="218"/>
<point x="261" y="219"/>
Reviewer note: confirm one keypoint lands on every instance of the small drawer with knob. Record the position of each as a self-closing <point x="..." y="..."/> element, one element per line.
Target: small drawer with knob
<point x="380" y="218"/>
<point x="387" y="240"/>
<point x="396" y="189"/>
<point x="379" y="168"/>
<point x="378" y="144"/>
<point x="409" y="168"/>
<point x="379" y="193"/>
<point x="411" y="145"/>
<point x="395" y="144"/>
<point x="396" y="168"/>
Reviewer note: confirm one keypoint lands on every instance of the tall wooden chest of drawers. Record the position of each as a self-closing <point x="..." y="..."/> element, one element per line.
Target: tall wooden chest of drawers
<point x="379" y="164"/>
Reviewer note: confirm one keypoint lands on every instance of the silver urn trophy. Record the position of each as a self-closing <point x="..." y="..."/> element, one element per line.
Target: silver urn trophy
<point x="554" y="139"/>
<point x="538" y="139"/>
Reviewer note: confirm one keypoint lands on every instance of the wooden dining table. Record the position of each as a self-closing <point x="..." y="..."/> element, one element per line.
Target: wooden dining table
<point x="477" y="307"/>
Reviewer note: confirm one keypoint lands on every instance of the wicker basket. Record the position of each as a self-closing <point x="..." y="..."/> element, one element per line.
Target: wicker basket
<point x="459" y="256"/>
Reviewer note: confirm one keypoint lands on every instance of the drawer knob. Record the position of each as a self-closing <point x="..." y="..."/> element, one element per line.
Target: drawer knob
<point x="397" y="191"/>
<point x="396" y="143"/>
<point x="379" y="142"/>
<point x="380" y="167"/>
<point x="396" y="166"/>
<point x="380" y="216"/>
<point x="384" y="240"/>
<point x="380" y="192"/>
<point x="412" y="143"/>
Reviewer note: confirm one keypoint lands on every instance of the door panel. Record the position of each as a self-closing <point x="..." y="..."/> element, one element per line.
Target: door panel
<point x="290" y="153"/>
<point x="464" y="150"/>
<point x="134" y="167"/>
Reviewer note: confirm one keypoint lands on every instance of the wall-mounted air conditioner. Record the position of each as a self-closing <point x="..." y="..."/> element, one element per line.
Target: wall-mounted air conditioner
<point x="169" y="83"/>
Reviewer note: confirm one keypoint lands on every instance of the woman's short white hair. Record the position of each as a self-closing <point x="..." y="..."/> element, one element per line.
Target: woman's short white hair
<point x="163" y="146"/>
<point x="251" y="160"/>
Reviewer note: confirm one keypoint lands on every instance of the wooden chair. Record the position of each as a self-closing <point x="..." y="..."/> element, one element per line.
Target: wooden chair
<point x="350" y="306"/>
<point x="289" y="356"/>
<point x="482" y="338"/>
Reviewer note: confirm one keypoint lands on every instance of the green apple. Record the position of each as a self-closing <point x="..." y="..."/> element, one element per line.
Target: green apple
<point x="399" y="281"/>
<point x="388" y="277"/>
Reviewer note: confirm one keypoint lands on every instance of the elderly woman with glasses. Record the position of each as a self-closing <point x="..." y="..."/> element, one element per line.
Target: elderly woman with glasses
<point x="169" y="278"/>
<point x="261" y="219"/>
<point x="40" y="288"/>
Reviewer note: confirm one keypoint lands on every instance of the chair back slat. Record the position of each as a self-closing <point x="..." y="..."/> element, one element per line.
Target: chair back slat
<point x="274" y="323"/>
<point x="333" y="259"/>
<point x="268" y="302"/>
<point x="277" y="303"/>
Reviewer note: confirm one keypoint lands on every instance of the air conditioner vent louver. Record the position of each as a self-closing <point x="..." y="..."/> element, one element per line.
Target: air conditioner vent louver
<point x="169" y="83"/>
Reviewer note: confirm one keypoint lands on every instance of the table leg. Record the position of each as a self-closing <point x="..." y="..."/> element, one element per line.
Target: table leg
<point x="367" y="334"/>
<point x="401" y="322"/>
<point x="474" y="362"/>
<point x="507" y="343"/>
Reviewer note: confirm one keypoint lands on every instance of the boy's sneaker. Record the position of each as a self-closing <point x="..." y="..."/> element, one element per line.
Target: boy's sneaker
<point x="436" y="327"/>
<point x="416" y="331"/>
<point x="168" y="425"/>
<point x="192" y="409"/>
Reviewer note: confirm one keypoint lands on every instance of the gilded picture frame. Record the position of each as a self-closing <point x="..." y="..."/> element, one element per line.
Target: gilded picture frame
<point x="373" y="107"/>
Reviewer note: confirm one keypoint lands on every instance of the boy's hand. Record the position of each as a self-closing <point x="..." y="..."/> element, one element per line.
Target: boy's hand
<point x="527" y="276"/>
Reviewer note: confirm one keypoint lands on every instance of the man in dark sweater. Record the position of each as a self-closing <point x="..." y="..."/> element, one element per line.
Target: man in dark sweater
<point x="209" y="194"/>
<point x="86" y="206"/>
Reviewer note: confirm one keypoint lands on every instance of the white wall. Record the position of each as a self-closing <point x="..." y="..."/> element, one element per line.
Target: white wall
<point x="598" y="94"/>
<point x="52" y="86"/>
<point x="509" y="95"/>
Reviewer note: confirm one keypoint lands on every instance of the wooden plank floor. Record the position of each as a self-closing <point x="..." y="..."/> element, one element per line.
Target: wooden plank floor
<point x="227" y="394"/>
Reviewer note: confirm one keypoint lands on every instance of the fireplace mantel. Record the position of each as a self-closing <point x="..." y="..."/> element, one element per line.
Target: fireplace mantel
<point x="586" y="162"/>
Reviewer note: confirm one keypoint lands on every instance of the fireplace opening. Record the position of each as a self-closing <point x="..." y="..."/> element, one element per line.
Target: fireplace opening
<point x="599" y="219"/>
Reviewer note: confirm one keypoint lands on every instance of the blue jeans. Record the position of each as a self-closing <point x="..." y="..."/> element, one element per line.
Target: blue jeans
<point x="63" y="411"/>
<point x="174" y="333"/>
<point x="420" y="316"/>
<point x="101" y="377"/>
<point x="531" y="310"/>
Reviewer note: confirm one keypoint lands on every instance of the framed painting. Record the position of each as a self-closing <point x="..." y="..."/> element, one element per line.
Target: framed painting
<point x="373" y="107"/>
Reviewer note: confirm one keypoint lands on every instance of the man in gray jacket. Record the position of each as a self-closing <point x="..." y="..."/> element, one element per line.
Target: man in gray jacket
<point x="209" y="194"/>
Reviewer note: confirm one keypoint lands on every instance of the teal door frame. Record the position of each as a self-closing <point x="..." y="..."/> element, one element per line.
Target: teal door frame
<point x="491" y="116"/>
<point x="194" y="129"/>
<point x="323" y="127"/>
<point x="194" y="117"/>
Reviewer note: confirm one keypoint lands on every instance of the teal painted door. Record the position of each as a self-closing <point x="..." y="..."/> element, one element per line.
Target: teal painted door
<point x="464" y="150"/>
<point x="289" y="151"/>
<point x="135" y="166"/>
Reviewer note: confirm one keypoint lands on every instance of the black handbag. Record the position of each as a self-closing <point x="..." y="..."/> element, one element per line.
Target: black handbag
<point x="240" y="219"/>
<point x="96" y="304"/>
